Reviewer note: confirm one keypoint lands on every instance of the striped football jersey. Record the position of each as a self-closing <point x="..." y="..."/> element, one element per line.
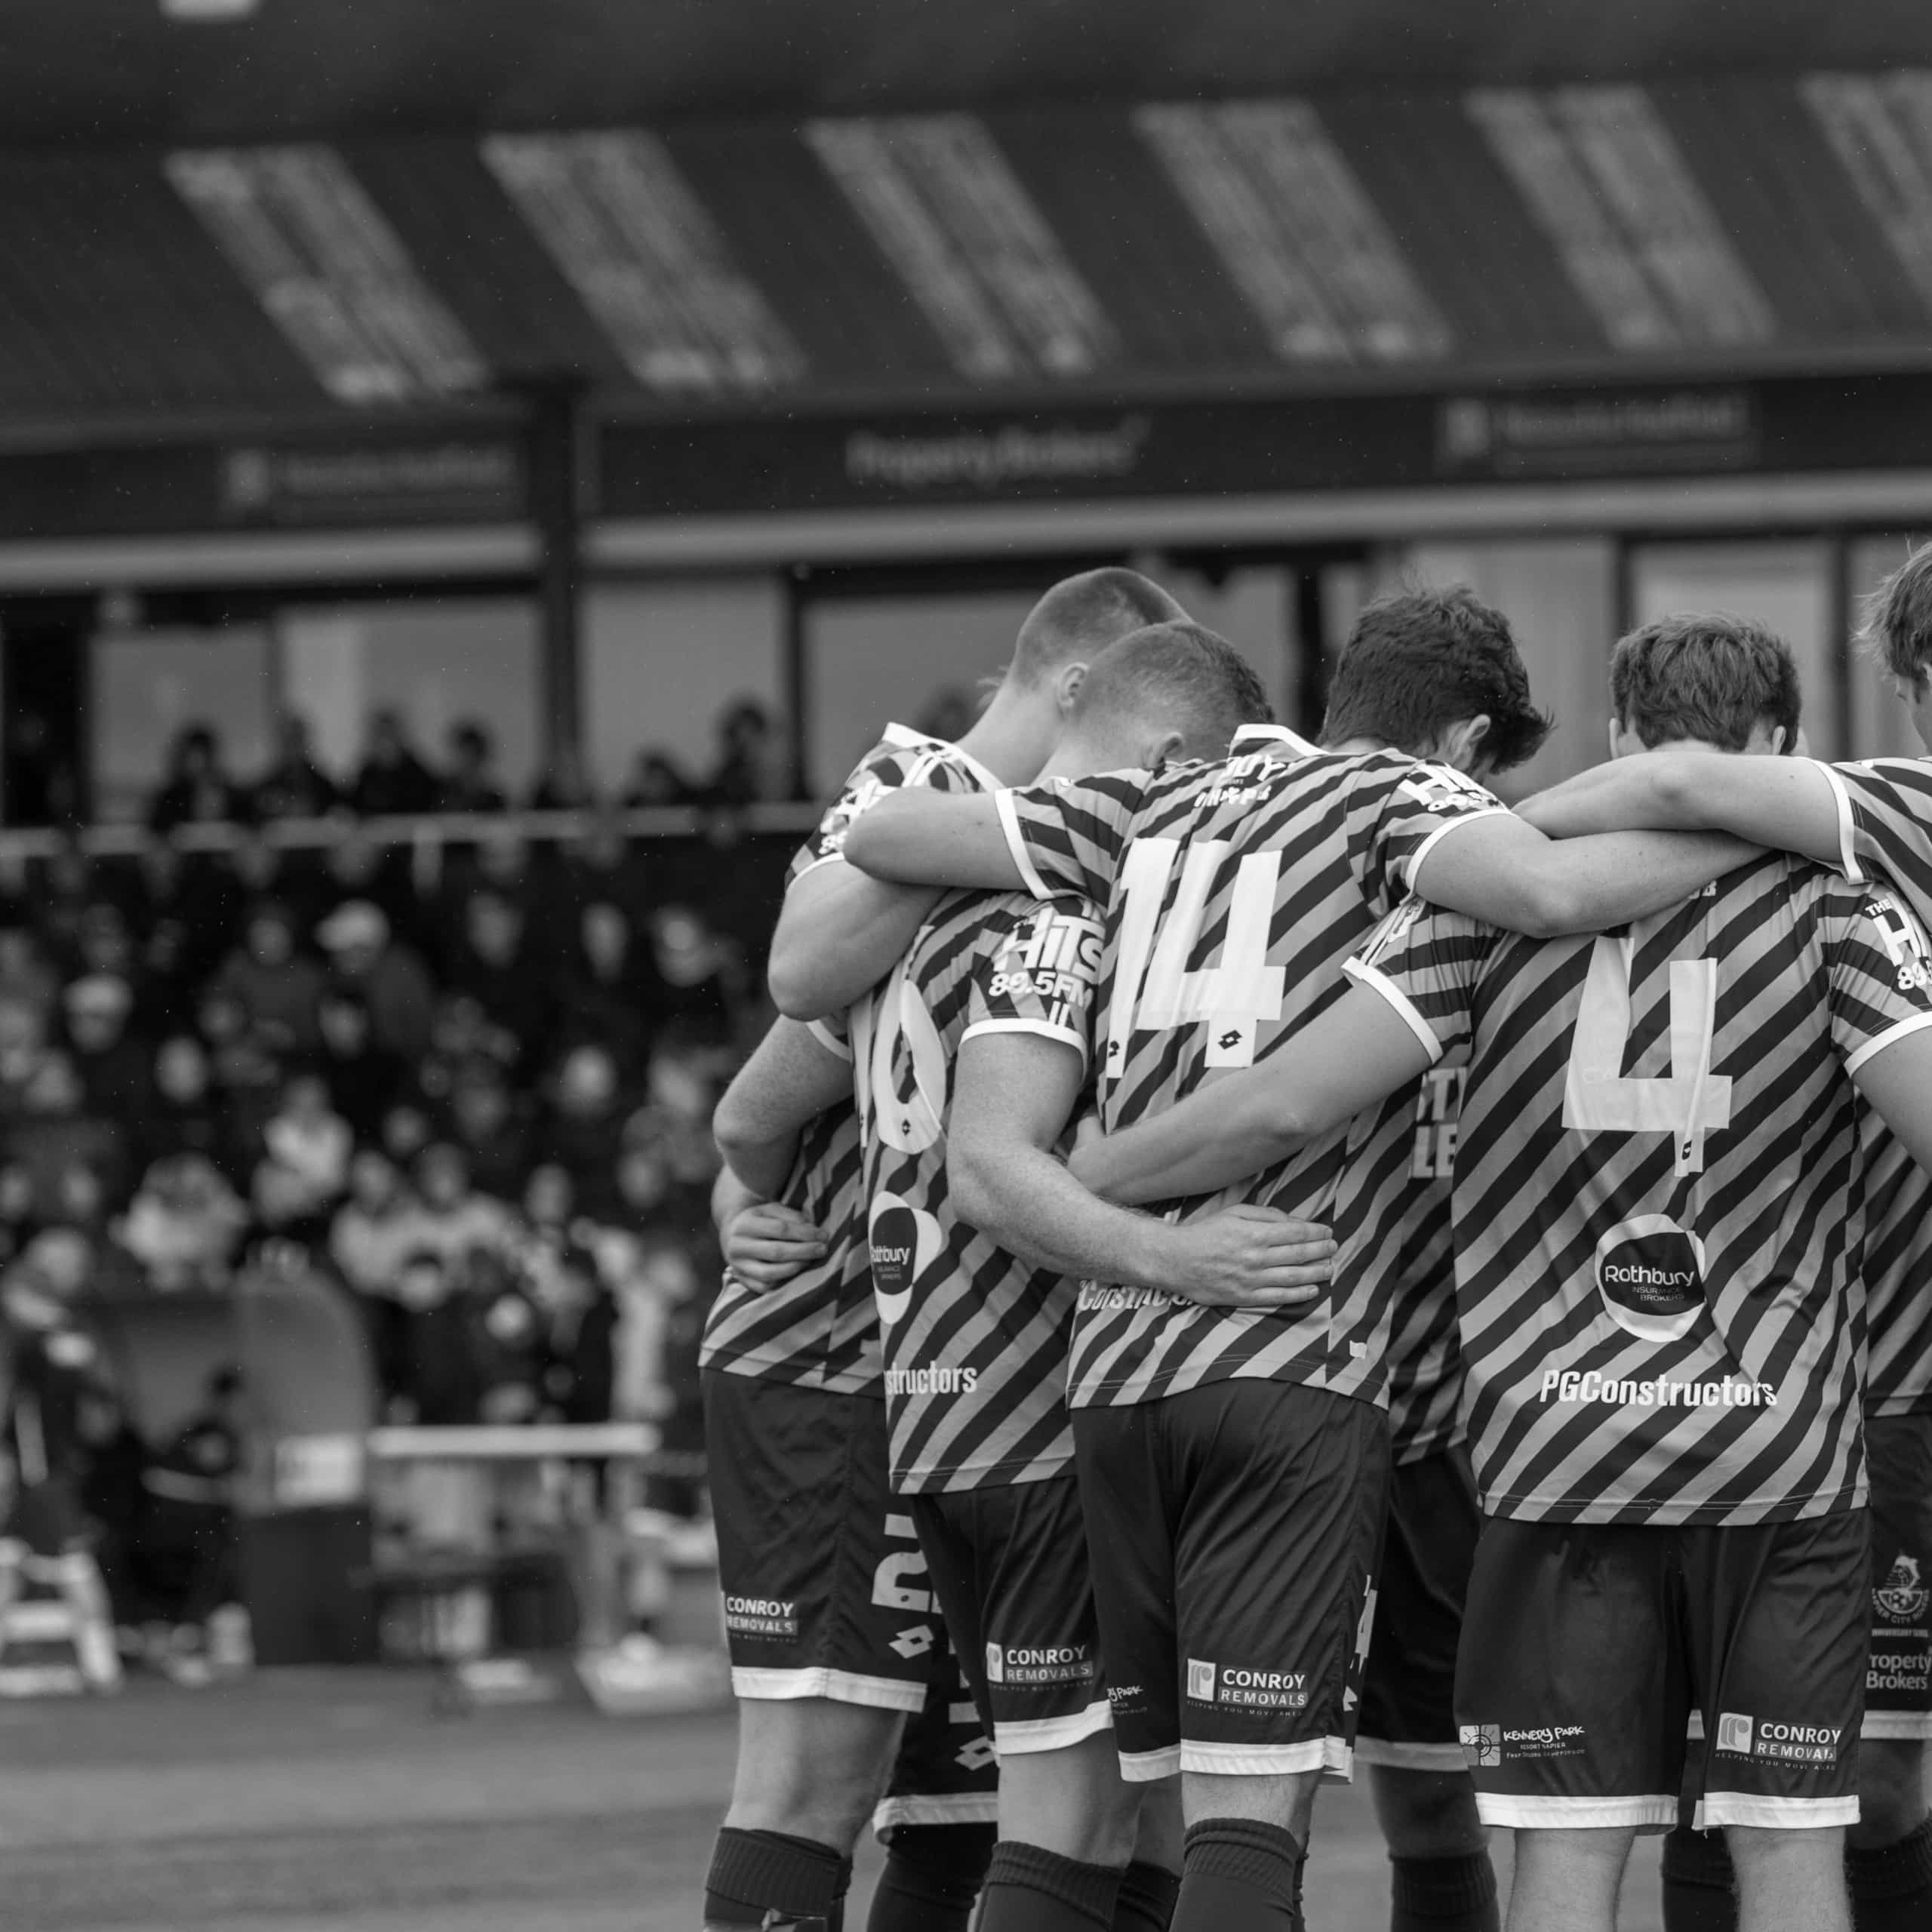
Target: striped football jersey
<point x="819" y="1331"/>
<point x="1885" y="833"/>
<point x="1234" y="891"/>
<point x="1658" y="1207"/>
<point x="975" y="1341"/>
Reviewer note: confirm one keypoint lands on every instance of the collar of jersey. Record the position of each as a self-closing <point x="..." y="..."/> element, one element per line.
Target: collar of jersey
<point x="1273" y="734"/>
<point x="904" y="735"/>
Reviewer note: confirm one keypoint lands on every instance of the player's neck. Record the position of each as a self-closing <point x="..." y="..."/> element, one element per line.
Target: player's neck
<point x="1007" y="739"/>
<point x="1355" y="747"/>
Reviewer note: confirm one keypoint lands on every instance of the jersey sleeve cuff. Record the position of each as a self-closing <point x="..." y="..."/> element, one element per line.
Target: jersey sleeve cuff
<point x="1041" y="1028"/>
<point x="1016" y="844"/>
<point x="1441" y="832"/>
<point x="1880" y="1041"/>
<point x="826" y="858"/>
<point x="833" y="1041"/>
<point x="1377" y="981"/>
<point x="1847" y="827"/>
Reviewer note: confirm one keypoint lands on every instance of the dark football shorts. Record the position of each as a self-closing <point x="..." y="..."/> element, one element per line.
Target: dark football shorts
<point x="1591" y="1645"/>
<point x="1898" y="1682"/>
<point x="1408" y="1696"/>
<point x="946" y="1772"/>
<point x="824" y="1583"/>
<point x="1009" y="1568"/>
<point x="1232" y="1529"/>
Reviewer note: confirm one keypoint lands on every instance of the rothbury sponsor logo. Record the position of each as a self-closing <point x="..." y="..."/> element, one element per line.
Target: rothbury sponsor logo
<point x="1651" y="1272"/>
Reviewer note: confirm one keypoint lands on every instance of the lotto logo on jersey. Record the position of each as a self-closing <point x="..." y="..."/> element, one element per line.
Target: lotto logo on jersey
<point x="1651" y="1274"/>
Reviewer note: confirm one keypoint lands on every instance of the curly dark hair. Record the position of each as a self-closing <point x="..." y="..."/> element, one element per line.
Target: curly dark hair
<point x="1419" y="661"/>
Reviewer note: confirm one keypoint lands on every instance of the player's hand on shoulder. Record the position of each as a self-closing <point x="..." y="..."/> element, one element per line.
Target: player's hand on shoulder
<point x="1253" y="1257"/>
<point x="765" y="1245"/>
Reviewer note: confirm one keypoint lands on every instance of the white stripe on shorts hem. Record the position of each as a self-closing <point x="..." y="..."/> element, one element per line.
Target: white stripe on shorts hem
<point x="842" y="1687"/>
<point x="1267" y="1760"/>
<point x="1783" y="1814"/>
<point x="1150" y="1766"/>
<point x="1031" y="1734"/>
<point x="1657" y="1812"/>
<point x="960" y="1808"/>
<point x="1898" y="1726"/>
<point x="1403" y="1757"/>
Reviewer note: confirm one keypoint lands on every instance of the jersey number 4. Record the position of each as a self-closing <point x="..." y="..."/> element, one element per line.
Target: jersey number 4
<point x="1597" y="1096"/>
<point x="1156" y="990"/>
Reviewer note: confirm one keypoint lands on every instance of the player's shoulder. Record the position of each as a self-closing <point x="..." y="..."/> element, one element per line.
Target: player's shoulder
<point x="903" y="756"/>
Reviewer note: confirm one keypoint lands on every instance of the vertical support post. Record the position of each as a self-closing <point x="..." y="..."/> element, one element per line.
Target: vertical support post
<point x="792" y="676"/>
<point x="557" y="456"/>
<point x="1311" y="687"/>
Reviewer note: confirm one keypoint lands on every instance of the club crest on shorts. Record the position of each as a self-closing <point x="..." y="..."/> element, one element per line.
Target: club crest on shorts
<point x="1903" y="1596"/>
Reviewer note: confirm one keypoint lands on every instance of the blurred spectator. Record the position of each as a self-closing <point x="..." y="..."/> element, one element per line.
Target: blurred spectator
<point x="390" y="979"/>
<point x="365" y="1080"/>
<point x="185" y="1114"/>
<point x="295" y="786"/>
<point x="184" y="1224"/>
<point x="188" y="1552"/>
<point x="749" y="765"/>
<point x="278" y="988"/>
<point x="496" y="964"/>
<point x="656" y="779"/>
<point x="584" y="1131"/>
<point x="439" y="1377"/>
<point x="613" y="994"/>
<point x="25" y="976"/>
<point x="565" y="787"/>
<point x="700" y="972"/>
<point x="304" y="1169"/>
<point x="393" y="779"/>
<point x="581" y="1311"/>
<point x="372" y="1230"/>
<point x="112" y="1063"/>
<point x="471" y="783"/>
<point x="195" y="789"/>
<point x="448" y="1217"/>
<point x="485" y="1123"/>
<point x="511" y="1339"/>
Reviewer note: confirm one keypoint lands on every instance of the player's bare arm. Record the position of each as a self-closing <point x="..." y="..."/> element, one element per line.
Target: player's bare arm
<point x="1897" y="1082"/>
<point x="1360" y="1051"/>
<point x="1013" y="1096"/>
<point x="934" y="838"/>
<point x="1786" y="803"/>
<point x="1499" y="869"/>
<point x="839" y="933"/>
<point x="790" y="1079"/>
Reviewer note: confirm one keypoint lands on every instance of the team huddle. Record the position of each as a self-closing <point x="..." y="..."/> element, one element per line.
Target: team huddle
<point x="1248" y="1257"/>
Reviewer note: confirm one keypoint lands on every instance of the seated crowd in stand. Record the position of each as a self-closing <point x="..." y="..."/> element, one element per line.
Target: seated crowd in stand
<point x="479" y="1102"/>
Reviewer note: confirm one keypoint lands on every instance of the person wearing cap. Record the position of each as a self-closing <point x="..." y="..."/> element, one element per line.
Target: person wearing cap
<point x="365" y="957"/>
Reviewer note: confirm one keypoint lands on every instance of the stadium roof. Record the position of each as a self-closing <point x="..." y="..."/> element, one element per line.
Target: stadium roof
<point x="113" y="71"/>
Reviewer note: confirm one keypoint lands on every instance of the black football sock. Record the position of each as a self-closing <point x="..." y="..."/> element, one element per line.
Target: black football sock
<point x="1239" y="1876"/>
<point x="933" y="1874"/>
<point x="1699" y="1887"/>
<point x="1451" y="1894"/>
<point x="1891" y="1888"/>
<point x="1146" y="1899"/>
<point x="754" y="1874"/>
<point x="1029" y="1889"/>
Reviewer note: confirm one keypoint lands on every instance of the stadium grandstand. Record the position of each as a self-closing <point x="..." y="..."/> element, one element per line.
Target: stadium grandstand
<point x="503" y="1215"/>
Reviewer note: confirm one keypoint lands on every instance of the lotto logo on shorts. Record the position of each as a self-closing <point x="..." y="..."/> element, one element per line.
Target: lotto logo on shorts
<point x="1258" y="1689"/>
<point x="1482" y="1743"/>
<point x="1789" y="1743"/>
